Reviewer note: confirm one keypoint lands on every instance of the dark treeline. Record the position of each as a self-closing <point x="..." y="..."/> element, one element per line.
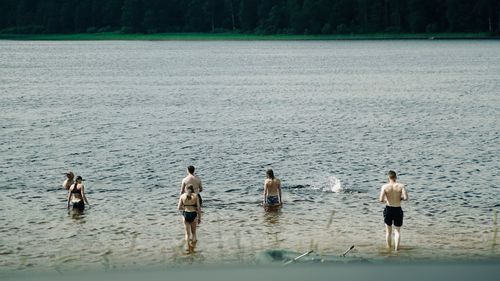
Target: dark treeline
<point x="252" y="16"/>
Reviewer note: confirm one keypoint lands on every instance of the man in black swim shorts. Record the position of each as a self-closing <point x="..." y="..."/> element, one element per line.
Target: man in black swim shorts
<point x="391" y="194"/>
<point x="393" y="214"/>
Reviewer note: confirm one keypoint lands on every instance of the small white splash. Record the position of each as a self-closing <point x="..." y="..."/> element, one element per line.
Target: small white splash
<point x="327" y="184"/>
<point x="333" y="185"/>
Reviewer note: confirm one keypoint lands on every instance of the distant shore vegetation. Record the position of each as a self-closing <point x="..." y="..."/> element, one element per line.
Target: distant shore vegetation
<point x="239" y="18"/>
<point x="241" y="36"/>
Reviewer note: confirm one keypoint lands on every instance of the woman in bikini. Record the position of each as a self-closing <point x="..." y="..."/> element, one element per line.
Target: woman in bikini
<point x="76" y="195"/>
<point x="190" y="207"/>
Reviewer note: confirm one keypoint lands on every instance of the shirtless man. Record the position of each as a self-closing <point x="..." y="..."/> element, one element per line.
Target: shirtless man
<point x="69" y="181"/>
<point x="272" y="190"/>
<point x="391" y="194"/>
<point x="193" y="180"/>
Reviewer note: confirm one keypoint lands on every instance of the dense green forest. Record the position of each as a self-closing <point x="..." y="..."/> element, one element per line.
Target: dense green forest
<point x="249" y="16"/>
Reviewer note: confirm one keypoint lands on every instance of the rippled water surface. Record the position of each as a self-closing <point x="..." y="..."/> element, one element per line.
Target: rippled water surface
<point x="130" y="116"/>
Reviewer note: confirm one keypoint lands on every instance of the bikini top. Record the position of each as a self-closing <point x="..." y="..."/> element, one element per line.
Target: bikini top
<point x="76" y="190"/>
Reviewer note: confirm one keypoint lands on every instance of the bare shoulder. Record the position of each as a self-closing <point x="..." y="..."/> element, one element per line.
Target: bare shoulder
<point x="385" y="186"/>
<point x="271" y="181"/>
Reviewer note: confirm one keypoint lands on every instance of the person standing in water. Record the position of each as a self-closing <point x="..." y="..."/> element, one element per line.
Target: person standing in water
<point x="191" y="211"/>
<point x="391" y="194"/>
<point x="272" y="190"/>
<point x="76" y="195"/>
<point x="70" y="180"/>
<point x="193" y="180"/>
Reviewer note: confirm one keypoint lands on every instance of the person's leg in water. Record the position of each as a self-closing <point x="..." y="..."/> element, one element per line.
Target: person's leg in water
<point x="388" y="235"/>
<point x="192" y="242"/>
<point x="187" y="231"/>
<point x="398" y="222"/>
<point x="397" y="236"/>
<point x="193" y="230"/>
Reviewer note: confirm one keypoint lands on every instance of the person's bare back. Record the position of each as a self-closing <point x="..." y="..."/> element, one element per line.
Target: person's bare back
<point x="392" y="193"/>
<point x="191" y="179"/>
<point x="272" y="186"/>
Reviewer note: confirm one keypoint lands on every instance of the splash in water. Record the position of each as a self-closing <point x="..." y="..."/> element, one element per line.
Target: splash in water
<point x="333" y="185"/>
<point x="330" y="184"/>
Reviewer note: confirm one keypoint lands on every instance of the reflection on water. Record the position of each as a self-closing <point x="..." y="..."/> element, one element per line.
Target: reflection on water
<point x="190" y="255"/>
<point x="329" y="117"/>
<point x="272" y="218"/>
<point x="272" y="214"/>
<point x="77" y="216"/>
<point x="383" y="251"/>
<point x="272" y="225"/>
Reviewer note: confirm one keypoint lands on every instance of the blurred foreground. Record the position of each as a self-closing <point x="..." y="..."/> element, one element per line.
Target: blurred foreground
<point x="407" y="272"/>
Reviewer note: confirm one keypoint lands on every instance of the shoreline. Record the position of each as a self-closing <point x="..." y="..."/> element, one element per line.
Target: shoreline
<point x="115" y="36"/>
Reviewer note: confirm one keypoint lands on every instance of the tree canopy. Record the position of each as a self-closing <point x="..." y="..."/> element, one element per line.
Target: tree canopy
<point x="250" y="16"/>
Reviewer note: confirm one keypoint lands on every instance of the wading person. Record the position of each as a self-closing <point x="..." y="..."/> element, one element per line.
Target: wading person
<point x="76" y="195"/>
<point x="391" y="194"/>
<point x="70" y="180"/>
<point x="272" y="190"/>
<point x="191" y="212"/>
<point x="192" y="179"/>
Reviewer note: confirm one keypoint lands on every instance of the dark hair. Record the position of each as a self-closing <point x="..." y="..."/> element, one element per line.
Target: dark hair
<point x="189" y="187"/>
<point x="392" y="175"/>
<point x="191" y="169"/>
<point x="270" y="174"/>
<point x="73" y="186"/>
<point x="70" y="175"/>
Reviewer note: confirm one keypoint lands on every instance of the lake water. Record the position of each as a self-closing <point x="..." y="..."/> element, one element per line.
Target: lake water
<point x="130" y="116"/>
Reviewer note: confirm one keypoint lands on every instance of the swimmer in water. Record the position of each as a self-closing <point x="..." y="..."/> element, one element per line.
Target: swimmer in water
<point x="272" y="190"/>
<point x="70" y="180"/>
<point x="195" y="181"/>
<point x="191" y="212"/>
<point x="76" y="195"/>
<point x="391" y="194"/>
